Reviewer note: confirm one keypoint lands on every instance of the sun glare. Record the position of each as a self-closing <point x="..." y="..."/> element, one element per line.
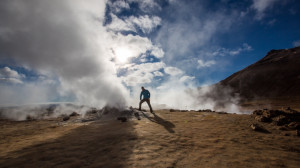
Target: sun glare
<point x="123" y="53"/>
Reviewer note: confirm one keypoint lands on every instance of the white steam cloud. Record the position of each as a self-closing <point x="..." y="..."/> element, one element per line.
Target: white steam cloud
<point x="74" y="54"/>
<point x="65" y="40"/>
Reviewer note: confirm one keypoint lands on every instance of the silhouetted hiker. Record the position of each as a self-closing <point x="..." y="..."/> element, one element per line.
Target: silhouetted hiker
<point x="146" y="98"/>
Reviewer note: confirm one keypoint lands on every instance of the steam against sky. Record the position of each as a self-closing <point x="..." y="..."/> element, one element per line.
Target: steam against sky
<point x="101" y="52"/>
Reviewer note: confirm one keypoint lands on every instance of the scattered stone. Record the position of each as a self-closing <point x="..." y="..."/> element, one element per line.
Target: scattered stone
<point x="283" y="128"/>
<point x="29" y="118"/>
<point x="65" y="118"/>
<point x="123" y="119"/>
<point x="269" y="113"/>
<point x="281" y="120"/>
<point x="262" y="118"/>
<point x="288" y="117"/>
<point x="294" y="125"/>
<point x="92" y="111"/>
<point x="137" y="116"/>
<point x="74" y="114"/>
<point x="206" y="110"/>
<point x="258" y="128"/>
<point x="257" y="112"/>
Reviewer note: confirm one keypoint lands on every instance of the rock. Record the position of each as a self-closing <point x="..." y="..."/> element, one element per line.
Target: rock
<point x="270" y="113"/>
<point x="183" y="110"/>
<point x="65" y="118"/>
<point x="92" y="110"/>
<point x="294" y="125"/>
<point x="74" y="114"/>
<point x="174" y="110"/>
<point x="281" y="120"/>
<point x="123" y="119"/>
<point x="258" y="128"/>
<point x="205" y="110"/>
<point x="257" y="112"/>
<point x="29" y="118"/>
<point x="283" y="128"/>
<point x="137" y="116"/>
<point x="222" y="112"/>
<point x="262" y="119"/>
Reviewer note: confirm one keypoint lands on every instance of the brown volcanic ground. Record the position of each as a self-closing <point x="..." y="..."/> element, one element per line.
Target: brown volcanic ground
<point x="167" y="139"/>
<point x="272" y="82"/>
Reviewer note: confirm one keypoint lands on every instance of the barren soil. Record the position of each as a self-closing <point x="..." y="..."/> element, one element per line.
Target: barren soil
<point x="167" y="139"/>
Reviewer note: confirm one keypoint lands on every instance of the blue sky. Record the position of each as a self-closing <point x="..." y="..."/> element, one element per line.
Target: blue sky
<point x="99" y="52"/>
<point x="261" y="25"/>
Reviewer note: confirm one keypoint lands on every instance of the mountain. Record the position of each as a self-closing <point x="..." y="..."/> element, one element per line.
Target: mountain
<point x="274" y="77"/>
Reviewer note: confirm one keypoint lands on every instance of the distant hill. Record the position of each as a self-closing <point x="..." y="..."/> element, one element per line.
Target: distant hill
<point x="272" y="82"/>
<point x="277" y="75"/>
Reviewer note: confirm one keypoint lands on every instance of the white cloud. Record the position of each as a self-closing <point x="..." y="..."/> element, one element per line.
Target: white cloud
<point x="203" y="64"/>
<point x="11" y="80"/>
<point x="118" y="6"/>
<point x="147" y="5"/>
<point x="260" y="6"/>
<point x="10" y="76"/>
<point x="137" y="45"/>
<point x="186" y="78"/>
<point x="145" y="23"/>
<point x="7" y="72"/>
<point x="296" y="43"/>
<point x="158" y="52"/>
<point x="237" y="51"/>
<point x="158" y="73"/>
<point x="190" y="29"/>
<point x="173" y="71"/>
<point x="142" y="73"/>
<point x="118" y="25"/>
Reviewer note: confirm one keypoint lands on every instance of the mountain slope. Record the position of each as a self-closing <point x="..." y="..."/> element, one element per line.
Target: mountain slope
<point x="277" y="75"/>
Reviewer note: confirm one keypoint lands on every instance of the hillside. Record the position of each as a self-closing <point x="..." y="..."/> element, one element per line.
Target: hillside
<point x="276" y="76"/>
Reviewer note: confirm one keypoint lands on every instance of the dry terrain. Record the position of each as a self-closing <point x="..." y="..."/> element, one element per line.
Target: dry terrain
<point x="167" y="139"/>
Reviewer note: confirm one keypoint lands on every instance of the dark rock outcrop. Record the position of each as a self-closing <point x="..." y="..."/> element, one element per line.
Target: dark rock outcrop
<point x="259" y="128"/>
<point x="288" y="118"/>
<point x="66" y="118"/>
<point x="74" y="114"/>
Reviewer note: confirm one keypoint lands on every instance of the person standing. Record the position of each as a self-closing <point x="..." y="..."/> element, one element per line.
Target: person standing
<point x="146" y="98"/>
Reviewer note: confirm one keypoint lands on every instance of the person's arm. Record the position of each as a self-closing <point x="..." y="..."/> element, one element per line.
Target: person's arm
<point x="141" y="96"/>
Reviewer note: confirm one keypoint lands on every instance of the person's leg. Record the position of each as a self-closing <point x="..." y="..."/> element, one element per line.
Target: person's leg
<point x="148" y="102"/>
<point x="141" y="102"/>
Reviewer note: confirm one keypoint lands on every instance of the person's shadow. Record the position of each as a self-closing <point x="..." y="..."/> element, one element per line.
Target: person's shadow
<point x="166" y="124"/>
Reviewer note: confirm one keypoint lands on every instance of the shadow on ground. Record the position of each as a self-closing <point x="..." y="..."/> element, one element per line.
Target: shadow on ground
<point x="166" y="124"/>
<point x="98" y="144"/>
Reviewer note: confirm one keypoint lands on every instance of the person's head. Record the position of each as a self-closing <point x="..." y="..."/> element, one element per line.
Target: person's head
<point x="143" y="88"/>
